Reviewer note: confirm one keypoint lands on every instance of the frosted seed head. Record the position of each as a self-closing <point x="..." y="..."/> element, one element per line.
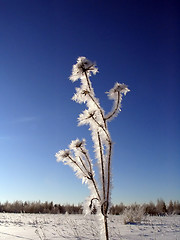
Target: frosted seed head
<point x="118" y="87"/>
<point x="62" y="155"/>
<point x="86" y="117"/>
<point x="82" y="66"/>
<point x="77" y="144"/>
<point x="121" y="87"/>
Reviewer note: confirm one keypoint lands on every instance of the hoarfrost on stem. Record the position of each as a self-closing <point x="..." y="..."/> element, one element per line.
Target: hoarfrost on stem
<point x="77" y="156"/>
<point x="116" y="94"/>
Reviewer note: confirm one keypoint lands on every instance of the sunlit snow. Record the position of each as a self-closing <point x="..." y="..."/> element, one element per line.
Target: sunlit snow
<point x="73" y="227"/>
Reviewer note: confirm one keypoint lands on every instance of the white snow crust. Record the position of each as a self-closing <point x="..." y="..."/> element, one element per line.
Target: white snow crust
<point x="72" y="227"/>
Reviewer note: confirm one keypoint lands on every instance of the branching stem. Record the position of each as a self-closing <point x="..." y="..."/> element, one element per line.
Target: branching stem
<point x="77" y="165"/>
<point x="104" y="129"/>
<point x="97" y="105"/>
<point x="90" y="173"/>
<point x="86" y="156"/>
<point x="83" y="164"/>
<point x="101" y="112"/>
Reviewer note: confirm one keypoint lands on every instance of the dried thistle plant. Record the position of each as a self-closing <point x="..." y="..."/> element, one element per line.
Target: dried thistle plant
<point x="77" y="156"/>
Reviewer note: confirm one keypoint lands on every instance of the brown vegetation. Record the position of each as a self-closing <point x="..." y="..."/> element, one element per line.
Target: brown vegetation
<point x="160" y="208"/>
<point x="39" y="207"/>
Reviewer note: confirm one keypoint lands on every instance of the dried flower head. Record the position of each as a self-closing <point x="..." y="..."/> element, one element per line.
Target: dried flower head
<point x="77" y="144"/>
<point x="118" y="87"/>
<point x="82" y="66"/>
<point x="62" y="155"/>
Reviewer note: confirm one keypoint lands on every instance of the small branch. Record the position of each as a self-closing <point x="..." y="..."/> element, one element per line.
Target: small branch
<point x="90" y="175"/>
<point x="115" y="108"/>
<point x="104" y="120"/>
<point x="77" y="165"/>
<point x="86" y="156"/>
<point x="83" y="163"/>
<point x="104" y="129"/>
<point x="94" y="99"/>
<point x="95" y="186"/>
<point x="88" y="82"/>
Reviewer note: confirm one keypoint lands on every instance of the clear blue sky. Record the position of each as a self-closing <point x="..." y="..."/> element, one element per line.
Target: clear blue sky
<point x="132" y="42"/>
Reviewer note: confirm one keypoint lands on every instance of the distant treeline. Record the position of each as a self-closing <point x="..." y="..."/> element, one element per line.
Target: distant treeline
<point x="160" y="208"/>
<point x="39" y="207"/>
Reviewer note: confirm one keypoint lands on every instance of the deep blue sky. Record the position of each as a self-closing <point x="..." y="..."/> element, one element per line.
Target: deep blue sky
<point x="132" y="42"/>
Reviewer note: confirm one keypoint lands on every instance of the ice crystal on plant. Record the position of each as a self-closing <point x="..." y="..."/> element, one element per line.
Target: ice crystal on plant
<point x="82" y="66"/>
<point x="62" y="155"/>
<point x="116" y="94"/>
<point x="77" y="143"/>
<point x="118" y="88"/>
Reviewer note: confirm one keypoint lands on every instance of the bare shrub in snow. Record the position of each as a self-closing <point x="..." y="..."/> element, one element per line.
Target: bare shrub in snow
<point x="161" y="207"/>
<point x="133" y="214"/>
<point x="77" y="156"/>
<point x="176" y="207"/>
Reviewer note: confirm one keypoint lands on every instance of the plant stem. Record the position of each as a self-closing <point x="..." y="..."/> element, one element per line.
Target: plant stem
<point x="102" y="165"/>
<point x="115" y="109"/>
<point x="109" y="171"/>
<point x="95" y="186"/>
<point x="97" y="105"/>
<point x="106" y="228"/>
<point x="92" y="177"/>
<point x="88" y="82"/>
<point x="104" y="129"/>
<point x="86" y="156"/>
<point x="77" y="165"/>
<point x="82" y="163"/>
<point x="98" y="108"/>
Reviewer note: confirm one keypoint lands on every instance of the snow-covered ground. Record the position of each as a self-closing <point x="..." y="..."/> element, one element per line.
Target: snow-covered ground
<point x="71" y="227"/>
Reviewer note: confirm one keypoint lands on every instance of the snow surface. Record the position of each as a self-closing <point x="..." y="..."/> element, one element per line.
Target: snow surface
<point x="71" y="227"/>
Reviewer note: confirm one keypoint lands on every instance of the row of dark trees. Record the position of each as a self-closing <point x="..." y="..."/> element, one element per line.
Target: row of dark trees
<point x="39" y="207"/>
<point x="160" y="208"/>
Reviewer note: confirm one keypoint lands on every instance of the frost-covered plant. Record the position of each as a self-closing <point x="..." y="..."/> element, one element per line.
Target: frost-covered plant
<point x="133" y="214"/>
<point x="77" y="156"/>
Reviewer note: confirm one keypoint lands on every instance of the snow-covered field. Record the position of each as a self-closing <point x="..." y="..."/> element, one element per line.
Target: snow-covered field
<point x="71" y="227"/>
